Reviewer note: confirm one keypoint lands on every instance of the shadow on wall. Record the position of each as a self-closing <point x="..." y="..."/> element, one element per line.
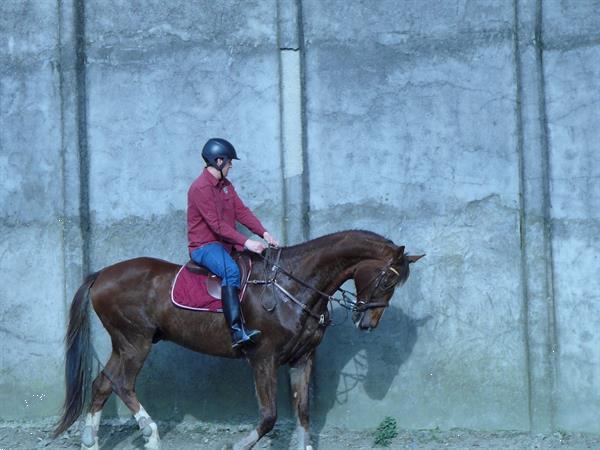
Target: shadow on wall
<point x="350" y="359"/>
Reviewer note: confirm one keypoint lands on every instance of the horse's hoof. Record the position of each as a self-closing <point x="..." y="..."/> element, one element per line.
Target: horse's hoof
<point x="88" y="440"/>
<point x="94" y="446"/>
<point x="152" y="445"/>
<point x="150" y="433"/>
<point x="147" y="431"/>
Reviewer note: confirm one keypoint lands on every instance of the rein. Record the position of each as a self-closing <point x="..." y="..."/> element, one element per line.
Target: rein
<point x="349" y="301"/>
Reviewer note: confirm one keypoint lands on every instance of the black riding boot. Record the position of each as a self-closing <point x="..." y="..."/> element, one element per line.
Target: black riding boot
<point x="231" y="310"/>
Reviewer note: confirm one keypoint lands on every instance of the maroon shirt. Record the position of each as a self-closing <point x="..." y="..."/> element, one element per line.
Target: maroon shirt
<point x="213" y="209"/>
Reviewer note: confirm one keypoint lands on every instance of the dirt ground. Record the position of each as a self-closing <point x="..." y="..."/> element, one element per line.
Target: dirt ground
<point x="119" y="435"/>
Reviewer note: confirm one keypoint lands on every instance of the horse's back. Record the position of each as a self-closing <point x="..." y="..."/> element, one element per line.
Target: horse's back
<point x="141" y="263"/>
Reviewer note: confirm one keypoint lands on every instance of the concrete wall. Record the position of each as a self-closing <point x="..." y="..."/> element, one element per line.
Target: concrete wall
<point x="407" y="93"/>
<point x="32" y="292"/>
<point x="466" y="131"/>
<point x="570" y="70"/>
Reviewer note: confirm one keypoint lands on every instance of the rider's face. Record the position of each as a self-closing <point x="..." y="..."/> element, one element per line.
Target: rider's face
<point x="226" y="167"/>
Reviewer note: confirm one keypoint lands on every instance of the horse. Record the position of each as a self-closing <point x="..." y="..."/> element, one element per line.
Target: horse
<point x="132" y="300"/>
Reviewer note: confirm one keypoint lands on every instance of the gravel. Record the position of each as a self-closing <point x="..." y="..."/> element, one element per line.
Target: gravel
<point x="115" y="434"/>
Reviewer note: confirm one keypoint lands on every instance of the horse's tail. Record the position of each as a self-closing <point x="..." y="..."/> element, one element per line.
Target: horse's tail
<point x="78" y="364"/>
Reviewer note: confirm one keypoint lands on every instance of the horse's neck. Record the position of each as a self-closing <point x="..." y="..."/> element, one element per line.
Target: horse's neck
<point x="328" y="266"/>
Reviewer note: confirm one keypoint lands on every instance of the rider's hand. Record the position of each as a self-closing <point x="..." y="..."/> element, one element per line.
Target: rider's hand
<point x="254" y="246"/>
<point x="270" y="239"/>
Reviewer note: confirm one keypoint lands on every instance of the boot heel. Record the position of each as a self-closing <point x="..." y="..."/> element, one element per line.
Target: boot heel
<point x="231" y="310"/>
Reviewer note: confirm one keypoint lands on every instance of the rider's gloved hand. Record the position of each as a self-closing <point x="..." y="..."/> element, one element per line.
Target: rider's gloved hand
<point x="270" y="239"/>
<point x="254" y="246"/>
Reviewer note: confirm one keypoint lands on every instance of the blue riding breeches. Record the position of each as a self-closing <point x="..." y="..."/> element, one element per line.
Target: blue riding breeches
<point x="215" y="258"/>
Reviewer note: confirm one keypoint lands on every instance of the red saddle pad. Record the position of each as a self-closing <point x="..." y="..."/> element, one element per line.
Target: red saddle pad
<point x="190" y="291"/>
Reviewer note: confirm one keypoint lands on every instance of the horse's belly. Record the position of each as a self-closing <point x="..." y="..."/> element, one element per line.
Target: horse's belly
<point x="202" y="332"/>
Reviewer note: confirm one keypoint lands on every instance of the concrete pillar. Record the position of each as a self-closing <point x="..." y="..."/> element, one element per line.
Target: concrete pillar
<point x="536" y="231"/>
<point x="73" y="135"/>
<point x="295" y="192"/>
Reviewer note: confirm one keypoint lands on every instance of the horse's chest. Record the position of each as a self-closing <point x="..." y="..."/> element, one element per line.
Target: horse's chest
<point x="304" y="342"/>
<point x="312" y="338"/>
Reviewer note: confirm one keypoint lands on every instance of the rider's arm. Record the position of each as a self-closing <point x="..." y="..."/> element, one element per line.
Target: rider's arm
<point x="246" y="217"/>
<point x="204" y="200"/>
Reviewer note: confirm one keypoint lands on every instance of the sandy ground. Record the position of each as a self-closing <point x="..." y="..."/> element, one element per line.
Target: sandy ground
<point x="119" y="435"/>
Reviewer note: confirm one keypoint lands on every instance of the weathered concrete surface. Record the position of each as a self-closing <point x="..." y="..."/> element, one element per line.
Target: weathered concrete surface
<point x="420" y="102"/>
<point x="31" y="301"/>
<point x="162" y="78"/>
<point x="466" y="131"/>
<point x="536" y="248"/>
<point x="159" y="82"/>
<point x="571" y="71"/>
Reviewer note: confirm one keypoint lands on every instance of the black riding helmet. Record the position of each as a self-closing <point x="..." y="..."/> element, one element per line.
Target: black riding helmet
<point x="218" y="148"/>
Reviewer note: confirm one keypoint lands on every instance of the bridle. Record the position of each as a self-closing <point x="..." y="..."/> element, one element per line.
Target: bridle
<point x="364" y="305"/>
<point x="349" y="300"/>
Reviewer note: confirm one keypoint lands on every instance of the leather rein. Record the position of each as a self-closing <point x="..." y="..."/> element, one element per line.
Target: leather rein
<point x="349" y="301"/>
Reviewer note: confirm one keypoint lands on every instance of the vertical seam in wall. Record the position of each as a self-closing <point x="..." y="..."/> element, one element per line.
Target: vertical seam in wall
<point x="522" y="224"/>
<point x="284" y="192"/>
<point x="305" y="208"/>
<point x="61" y="96"/>
<point x="546" y="208"/>
<point x="84" y="163"/>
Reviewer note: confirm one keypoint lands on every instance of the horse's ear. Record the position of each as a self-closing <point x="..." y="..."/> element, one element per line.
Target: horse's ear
<point x="413" y="258"/>
<point x="399" y="252"/>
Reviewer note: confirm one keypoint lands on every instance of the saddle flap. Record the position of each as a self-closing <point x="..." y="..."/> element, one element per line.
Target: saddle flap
<point x="213" y="285"/>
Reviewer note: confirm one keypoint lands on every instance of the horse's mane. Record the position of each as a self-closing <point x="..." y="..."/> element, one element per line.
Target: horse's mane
<point x="318" y="242"/>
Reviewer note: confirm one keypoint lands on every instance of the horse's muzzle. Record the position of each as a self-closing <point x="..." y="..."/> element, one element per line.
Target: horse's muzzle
<point x="366" y="315"/>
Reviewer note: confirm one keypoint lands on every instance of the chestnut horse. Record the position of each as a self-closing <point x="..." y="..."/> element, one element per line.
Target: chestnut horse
<point x="132" y="300"/>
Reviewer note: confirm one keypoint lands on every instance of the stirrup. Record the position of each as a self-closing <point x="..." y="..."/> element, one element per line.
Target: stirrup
<point x="252" y="334"/>
<point x="248" y="337"/>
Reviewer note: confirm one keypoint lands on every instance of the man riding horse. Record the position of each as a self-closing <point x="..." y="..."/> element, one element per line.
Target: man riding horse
<point x="212" y="211"/>
<point x="133" y="302"/>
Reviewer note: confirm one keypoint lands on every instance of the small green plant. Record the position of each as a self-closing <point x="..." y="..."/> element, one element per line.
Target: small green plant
<point x="386" y="431"/>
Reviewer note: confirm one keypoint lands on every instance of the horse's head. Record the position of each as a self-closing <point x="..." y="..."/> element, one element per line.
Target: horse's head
<point x="375" y="282"/>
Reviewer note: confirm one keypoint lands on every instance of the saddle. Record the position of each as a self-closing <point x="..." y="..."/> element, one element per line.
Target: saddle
<point x="213" y="282"/>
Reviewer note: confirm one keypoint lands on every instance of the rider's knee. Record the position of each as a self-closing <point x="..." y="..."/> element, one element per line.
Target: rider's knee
<point x="232" y="277"/>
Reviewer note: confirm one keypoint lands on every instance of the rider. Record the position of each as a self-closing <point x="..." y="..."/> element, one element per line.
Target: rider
<point x="213" y="208"/>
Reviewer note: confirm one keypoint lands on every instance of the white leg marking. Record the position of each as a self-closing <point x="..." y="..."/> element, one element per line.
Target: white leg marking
<point x="149" y="429"/>
<point x="247" y="442"/>
<point x="89" y="433"/>
<point x="303" y="438"/>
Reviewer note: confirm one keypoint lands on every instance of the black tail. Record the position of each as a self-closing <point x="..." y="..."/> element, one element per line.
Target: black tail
<point x="78" y="365"/>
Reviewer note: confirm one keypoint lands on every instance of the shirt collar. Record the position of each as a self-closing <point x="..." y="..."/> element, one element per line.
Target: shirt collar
<point x="208" y="177"/>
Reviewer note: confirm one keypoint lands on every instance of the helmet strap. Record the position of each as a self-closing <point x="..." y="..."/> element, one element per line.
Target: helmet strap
<point x="221" y="167"/>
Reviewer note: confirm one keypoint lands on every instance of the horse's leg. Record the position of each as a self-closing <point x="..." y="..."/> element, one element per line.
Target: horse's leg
<point x="101" y="390"/>
<point x="132" y="358"/>
<point x="265" y="381"/>
<point x="300" y="381"/>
